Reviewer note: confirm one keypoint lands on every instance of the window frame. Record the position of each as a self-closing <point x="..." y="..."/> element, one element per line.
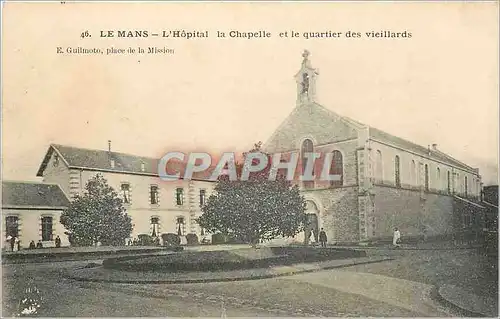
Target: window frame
<point x="126" y="201"/>
<point x="154" y="200"/>
<point x="179" y="196"/>
<point x="46" y="236"/>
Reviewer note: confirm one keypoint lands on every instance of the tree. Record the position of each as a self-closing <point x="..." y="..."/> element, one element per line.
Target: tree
<point x="255" y="209"/>
<point x="97" y="216"/>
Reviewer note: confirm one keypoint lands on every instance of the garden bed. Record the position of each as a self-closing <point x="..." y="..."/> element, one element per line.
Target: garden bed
<point x="223" y="260"/>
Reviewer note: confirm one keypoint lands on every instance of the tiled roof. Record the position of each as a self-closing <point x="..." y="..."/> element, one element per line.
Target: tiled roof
<point x="407" y="145"/>
<point x="32" y="194"/>
<point x="399" y="142"/>
<point x="123" y="163"/>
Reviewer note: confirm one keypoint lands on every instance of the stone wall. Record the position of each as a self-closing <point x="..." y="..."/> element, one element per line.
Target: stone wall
<point x="338" y="212"/>
<point x="410" y="211"/>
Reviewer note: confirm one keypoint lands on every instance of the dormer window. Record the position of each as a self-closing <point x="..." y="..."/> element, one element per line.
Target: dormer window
<point x="56" y="160"/>
<point x="112" y="163"/>
<point x="143" y="167"/>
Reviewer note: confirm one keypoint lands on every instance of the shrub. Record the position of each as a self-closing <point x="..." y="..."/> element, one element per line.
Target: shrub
<point x="145" y="240"/>
<point x="192" y="239"/>
<point x="218" y="239"/>
<point x="171" y="239"/>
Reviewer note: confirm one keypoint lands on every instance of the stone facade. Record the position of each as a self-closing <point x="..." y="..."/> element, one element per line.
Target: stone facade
<point x="387" y="182"/>
<point x="165" y="209"/>
<point x="30" y="225"/>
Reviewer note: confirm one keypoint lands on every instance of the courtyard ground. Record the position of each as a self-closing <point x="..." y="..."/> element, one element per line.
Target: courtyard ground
<point x="391" y="288"/>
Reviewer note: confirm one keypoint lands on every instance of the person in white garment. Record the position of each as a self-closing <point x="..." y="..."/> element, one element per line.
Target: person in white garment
<point x="396" y="238"/>
<point x="312" y="239"/>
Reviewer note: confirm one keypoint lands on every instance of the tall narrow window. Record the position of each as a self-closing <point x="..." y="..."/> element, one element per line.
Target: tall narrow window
<point x="153" y="193"/>
<point x="155" y="226"/>
<point x="12" y="226"/>
<point x="397" y="173"/>
<point x="426" y="177"/>
<point x="465" y="185"/>
<point x="202" y="196"/>
<point x="337" y="168"/>
<point x="181" y="226"/>
<point x="438" y="178"/>
<point x="413" y="173"/>
<point x="126" y="193"/>
<point x="305" y="83"/>
<point x="379" y="172"/>
<point x="307" y="147"/>
<point x="179" y="196"/>
<point x="46" y="228"/>
<point x="449" y="181"/>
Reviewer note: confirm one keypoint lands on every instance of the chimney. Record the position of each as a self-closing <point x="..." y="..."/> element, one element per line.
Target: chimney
<point x="434" y="147"/>
<point x="109" y="145"/>
<point x="428" y="150"/>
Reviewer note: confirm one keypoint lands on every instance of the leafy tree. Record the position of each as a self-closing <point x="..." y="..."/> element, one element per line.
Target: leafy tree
<point x="97" y="216"/>
<point x="255" y="209"/>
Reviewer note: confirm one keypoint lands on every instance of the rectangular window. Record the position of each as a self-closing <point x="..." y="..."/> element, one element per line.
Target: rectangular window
<point x="155" y="226"/>
<point x="202" y="197"/>
<point x="126" y="193"/>
<point x="181" y="226"/>
<point x="12" y="226"/>
<point x="465" y="186"/>
<point x="153" y="192"/>
<point x="46" y="228"/>
<point x="179" y="196"/>
<point x="426" y="177"/>
<point x="449" y="182"/>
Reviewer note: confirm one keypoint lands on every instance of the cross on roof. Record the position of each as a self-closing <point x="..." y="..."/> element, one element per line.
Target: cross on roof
<point x="305" y="55"/>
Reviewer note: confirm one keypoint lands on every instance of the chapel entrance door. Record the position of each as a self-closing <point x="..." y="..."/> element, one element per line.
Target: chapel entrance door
<point x="311" y="222"/>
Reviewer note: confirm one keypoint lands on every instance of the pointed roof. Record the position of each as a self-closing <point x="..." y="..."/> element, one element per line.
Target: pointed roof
<point x="100" y="160"/>
<point x="19" y="194"/>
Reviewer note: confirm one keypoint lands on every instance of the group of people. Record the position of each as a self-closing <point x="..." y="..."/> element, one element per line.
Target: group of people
<point x="321" y="238"/>
<point x="396" y="238"/>
<point x="15" y="243"/>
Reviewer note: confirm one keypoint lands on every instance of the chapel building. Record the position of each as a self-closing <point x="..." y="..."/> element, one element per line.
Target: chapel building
<point x="386" y="181"/>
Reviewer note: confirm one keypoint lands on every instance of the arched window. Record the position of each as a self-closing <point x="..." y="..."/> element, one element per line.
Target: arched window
<point x="413" y="173"/>
<point x="379" y="172"/>
<point x="465" y="185"/>
<point x="337" y="168"/>
<point x="307" y="147"/>
<point x="397" y="173"/>
<point x="438" y="178"/>
<point x="426" y="177"/>
<point x="449" y="182"/>
<point x="305" y="83"/>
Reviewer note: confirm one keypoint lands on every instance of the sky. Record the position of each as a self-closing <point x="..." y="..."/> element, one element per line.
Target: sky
<point x="225" y="94"/>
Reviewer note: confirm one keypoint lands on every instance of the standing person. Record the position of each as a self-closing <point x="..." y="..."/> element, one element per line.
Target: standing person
<point x="12" y="243"/>
<point x="7" y="240"/>
<point x="396" y="239"/>
<point x="18" y="244"/>
<point x="312" y="238"/>
<point x="322" y="237"/>
<point x="39" y="244"/>
<point x="32" y="244"/>
<point x="58" y="242"/>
